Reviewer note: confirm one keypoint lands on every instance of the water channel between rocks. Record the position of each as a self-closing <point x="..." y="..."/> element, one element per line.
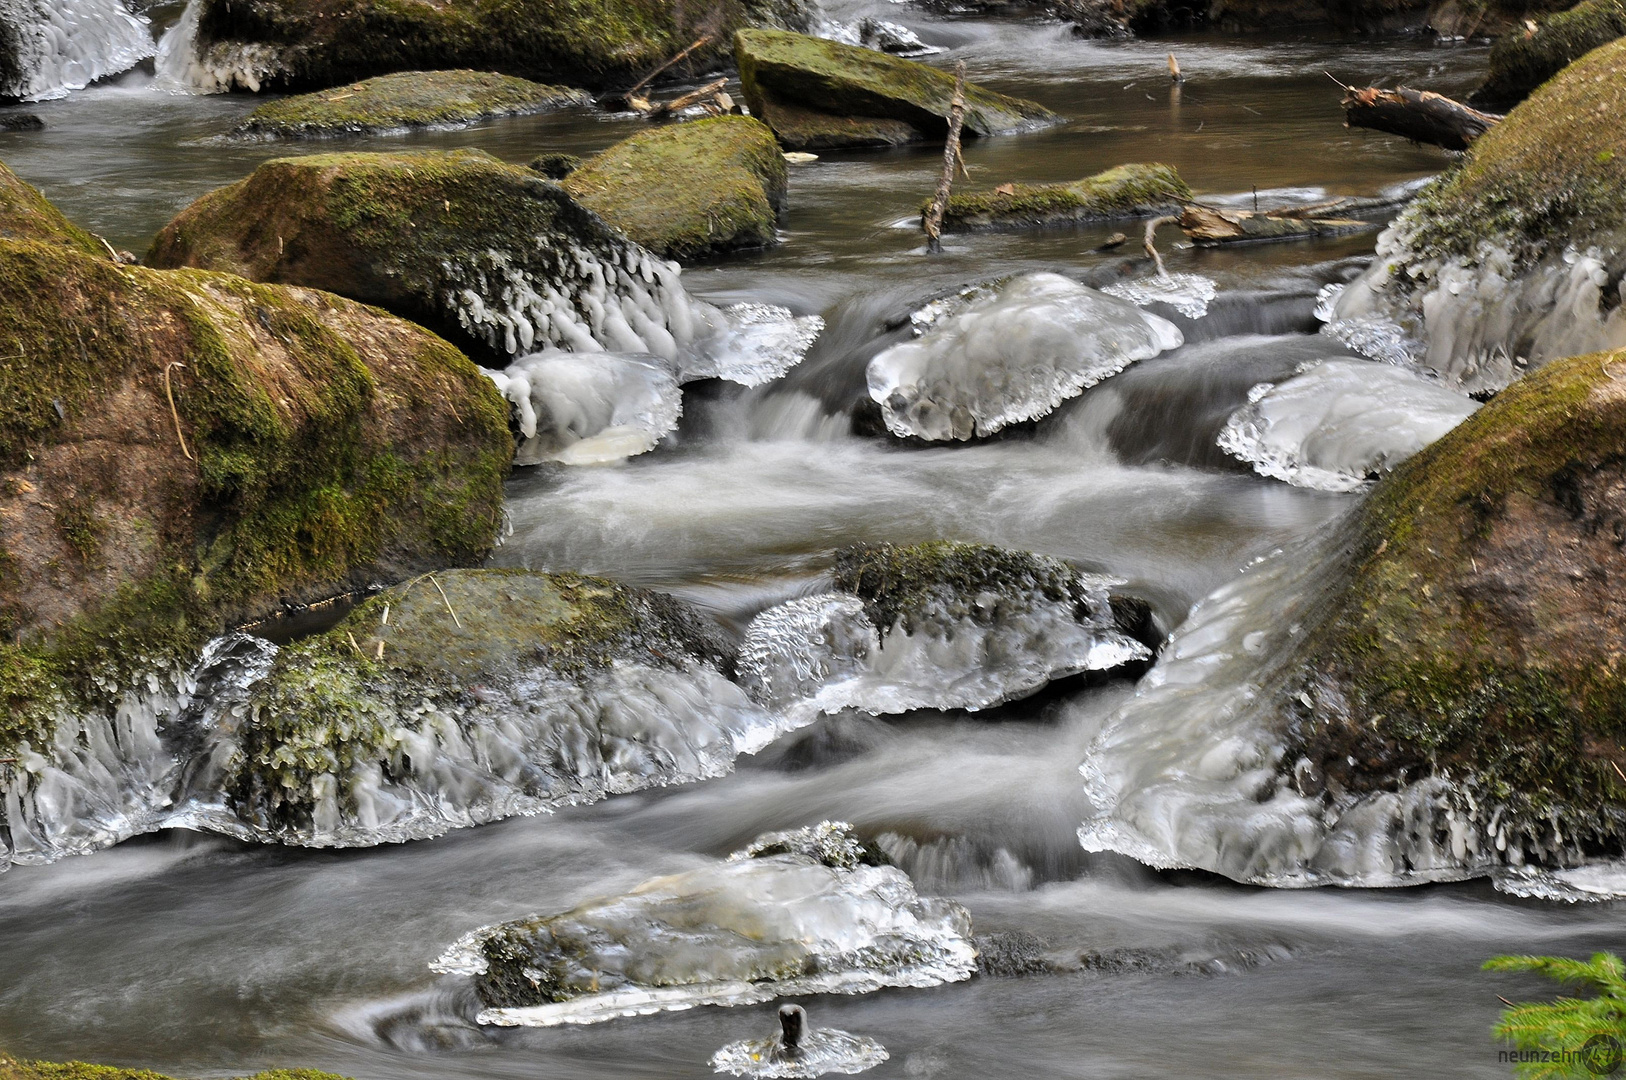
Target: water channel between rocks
<point x="201" y="956"/>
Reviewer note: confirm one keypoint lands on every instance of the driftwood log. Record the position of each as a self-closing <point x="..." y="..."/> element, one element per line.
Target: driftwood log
<point x="1419" y="115"/>
<point x="933" y="220"/>
<point x="1206" y="227"/>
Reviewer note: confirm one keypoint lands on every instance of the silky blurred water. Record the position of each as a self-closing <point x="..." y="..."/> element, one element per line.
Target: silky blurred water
<point x="200" y="956"/>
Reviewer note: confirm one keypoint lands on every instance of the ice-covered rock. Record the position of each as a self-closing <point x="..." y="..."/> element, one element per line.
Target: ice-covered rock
<point x="494" y="255"/>
<point x="1338" y="423"/>
<point x="758" y="925"/>
<point x="588" y="408"/>
<point x="941" y="626"/>
<point x="1009" y="357"/>
<point x="49" y="47"/>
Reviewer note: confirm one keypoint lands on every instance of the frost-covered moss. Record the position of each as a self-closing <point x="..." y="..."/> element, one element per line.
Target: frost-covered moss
<point x="599" y="44"/>
<point x="182" y="450"/>
<point x="691" y="189"/>
<point x="1478" y="635"/>
<point x="407" y="100"/>
<point x="1123" y="192"/>
<point x="787" y="75"/>
<point x="1520" y="60"/>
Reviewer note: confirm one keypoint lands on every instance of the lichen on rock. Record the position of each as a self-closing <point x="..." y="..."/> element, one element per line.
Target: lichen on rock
<point x="816" y="93"/>
<point x="688" y="190"/>
<point x="406" y="100"/>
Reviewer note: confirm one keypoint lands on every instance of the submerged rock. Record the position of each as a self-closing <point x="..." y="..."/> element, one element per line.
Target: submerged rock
<point x="1432" y="694"/>
<point x="49" y="47"/>
<point x="1009" y="355"/>
<point x="1127" y="191"/>
<point x="816" y="93"/>
<point x="941" y="626"/>
<point x="179" y="452"/>
<point x="491" y="254"/>
<point x="219" y="45"/>
<point x="687" y="190"/>
<point x="806" y="912"/>
<point x="411" y="99"/>
<point x="1522" y="59"/>
<point x="1338" y="423"/>
<point x="1513" y="258"/>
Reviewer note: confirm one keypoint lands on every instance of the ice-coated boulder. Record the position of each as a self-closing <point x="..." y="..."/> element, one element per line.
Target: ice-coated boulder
<point x="588" y="408"/>
<point x="811" y="911"/>
<point x="1010" y="355"/>
<point x="49" y="47"/>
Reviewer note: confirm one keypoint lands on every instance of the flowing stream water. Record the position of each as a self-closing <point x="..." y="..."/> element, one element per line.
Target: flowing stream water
<point x="201" y="956"/>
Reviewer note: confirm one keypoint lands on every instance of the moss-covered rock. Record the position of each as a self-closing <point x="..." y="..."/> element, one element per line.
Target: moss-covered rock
<point x="1127" y="191"/>
<point x="181" y="451"/>
<point x="16" y="1069"/>
<point x="492" y="255"/>
<point x="687" y="190"/>
<point x="25" y="214"/>
<point x="1522" y="60"/>
<point x="467" y="696"/>
<point x="598" y="44"/>
<point x="810" y="90"/>
<point x="404" y="100"/>
<point x="1478" y="635"/>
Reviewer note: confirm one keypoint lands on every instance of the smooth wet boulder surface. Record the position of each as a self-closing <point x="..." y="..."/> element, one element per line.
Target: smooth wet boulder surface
<point x="691" y="189"/>
<point x="404" y="100"/>
<point x="1127" y="191"/>
<point x="809" y="911"/>
<point x="1522" y="60"/>
<point x="816" y="93"/>
<point x="1479" y="633"/>
<point x="184" y="450"/>
<point x="600" y="44"/>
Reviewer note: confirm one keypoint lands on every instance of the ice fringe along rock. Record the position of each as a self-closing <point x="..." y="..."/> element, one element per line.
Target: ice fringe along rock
<point x="61" y="45"/>
<point x="589" y="408"/>
<point x="1013" y="356"/>
<point x="1338" y="423"/>
<point x="816" y="1052"/>
<point x="739" y="931"/>
<point x="1189" y="294"/>
<point x="222" y="68"/>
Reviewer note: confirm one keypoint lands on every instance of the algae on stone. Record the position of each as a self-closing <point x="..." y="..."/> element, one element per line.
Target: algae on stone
<point x="687" y="190"/>
<point x="1127" y="191"/>
<point x="1521" y="60"/>
<point x="404" y="100"/>
<point x="18" y="1069"/>
<point x="869" y="94"/>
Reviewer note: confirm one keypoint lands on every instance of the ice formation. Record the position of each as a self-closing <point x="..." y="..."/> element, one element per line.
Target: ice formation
<point x="783" y="919"/>
<point x="173" y="755"/>
<point x="63" y="45"/>
<point x="878" y="34"/>
<point x="799" y="1051"/>
<point x="218" y="69"/>
<point x="1192" y="772"/>
<point x="822" y="654"/>
<point x="1189" y="294"/>
<point x="587" y="408"/>
<point x="1010" y="357"/>
<point x="1337" y="423"/>
<point x="1479" y="321"/>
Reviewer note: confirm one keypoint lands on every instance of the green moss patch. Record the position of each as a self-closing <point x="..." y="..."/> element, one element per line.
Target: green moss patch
<point x="14" y="1069"/>
<point x="1124" y="192"/>
<point x="781" y="68"/>
<point x="691" y="189"/>
<point x="1520" y="60"/>
<point x="407" y="100"/>
<point x="1553" y="172"/>
<point x="25" y="214"/>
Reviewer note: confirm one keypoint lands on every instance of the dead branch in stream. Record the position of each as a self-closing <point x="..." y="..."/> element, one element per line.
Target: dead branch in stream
<point x="693" y="97"/>
<point x="1206" y="226"/>
<point x="1151" y="235"/>
<point x="632" y="98"/>
<point x="933" y="221"/>
<point x="1419" y="115"/>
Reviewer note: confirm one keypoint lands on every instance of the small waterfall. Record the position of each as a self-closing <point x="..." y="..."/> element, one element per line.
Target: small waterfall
<point x="185" y="66"/>
<point x="49" y="47"/>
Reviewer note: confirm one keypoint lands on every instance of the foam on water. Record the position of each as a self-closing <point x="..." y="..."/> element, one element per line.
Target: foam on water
<point x="1011" y="356"/>
<point x="64" y="45"/>
<point x="793" y="914"/>
<point x="822" y="654"/>
<point x="1338" y="423"/>
<point x="588" y="408"/>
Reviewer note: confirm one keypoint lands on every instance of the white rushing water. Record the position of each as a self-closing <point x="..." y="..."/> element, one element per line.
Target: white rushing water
<point x="184" y="65"/>
<point x="795" y="913"/>
<point x="1338" y="423"/>
<point x="63" y="45"/>
<point x="1011" y="356"/>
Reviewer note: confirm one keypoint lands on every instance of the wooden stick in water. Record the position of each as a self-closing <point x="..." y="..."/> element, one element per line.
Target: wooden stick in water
<point x="933" y="223"/>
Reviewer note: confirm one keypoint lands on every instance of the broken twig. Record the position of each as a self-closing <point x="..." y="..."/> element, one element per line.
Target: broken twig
<point x="933" y="223"/>
<point x="455" y="620"/>
<point x="1151" y="235"/>
<point x="173" y="411"/>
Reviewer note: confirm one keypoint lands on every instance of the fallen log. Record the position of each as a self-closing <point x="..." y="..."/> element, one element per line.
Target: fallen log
<point x="1207" y="227"/>
<point x="693" y="97"/>
<point x="1419" y="115"/>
